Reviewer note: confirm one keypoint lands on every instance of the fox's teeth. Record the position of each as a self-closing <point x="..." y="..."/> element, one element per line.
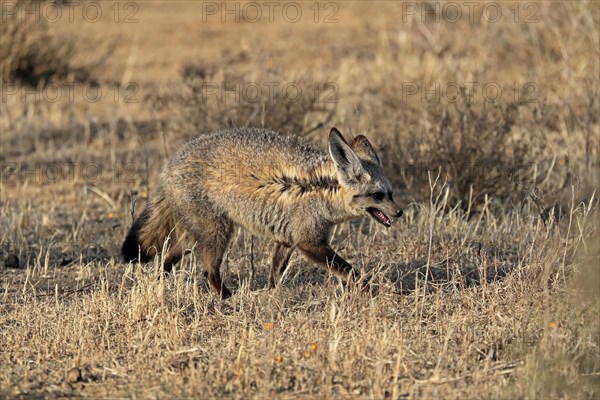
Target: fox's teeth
<point x="383" y="217"/>
<point x="380" y="216"/>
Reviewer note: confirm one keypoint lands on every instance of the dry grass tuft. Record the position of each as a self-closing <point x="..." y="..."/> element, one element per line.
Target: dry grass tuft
<point x="478" y="152"/>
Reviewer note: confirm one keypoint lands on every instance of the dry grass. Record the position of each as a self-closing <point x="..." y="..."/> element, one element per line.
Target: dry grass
<point x="484" y="291"/>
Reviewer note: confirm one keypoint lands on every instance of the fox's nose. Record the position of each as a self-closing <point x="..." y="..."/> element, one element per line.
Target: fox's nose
<point x="399" y="213"/>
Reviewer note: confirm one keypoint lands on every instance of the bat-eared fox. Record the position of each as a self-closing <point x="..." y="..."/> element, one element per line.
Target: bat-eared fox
<point x="275" y="186"/>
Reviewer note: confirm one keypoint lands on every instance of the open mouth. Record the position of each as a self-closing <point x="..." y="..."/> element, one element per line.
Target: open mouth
<point x="379" y="216"/>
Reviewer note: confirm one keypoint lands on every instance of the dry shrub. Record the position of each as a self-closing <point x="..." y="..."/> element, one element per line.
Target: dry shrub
<point x="32" y="54"/>
<point x="497" y="152"/>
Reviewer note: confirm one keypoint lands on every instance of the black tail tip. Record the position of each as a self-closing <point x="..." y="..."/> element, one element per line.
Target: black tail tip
<point x="131" y="249"/>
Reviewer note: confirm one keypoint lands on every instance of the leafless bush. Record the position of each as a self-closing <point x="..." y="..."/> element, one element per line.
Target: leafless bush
<point x="480" y="151"/>
<point x="32" y="54"/>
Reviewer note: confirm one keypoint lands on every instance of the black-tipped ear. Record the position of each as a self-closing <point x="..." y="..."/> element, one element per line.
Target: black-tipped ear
<point x="365" y="150"/>
<point x="335" y="132"/>
<point x="346" y="161"/>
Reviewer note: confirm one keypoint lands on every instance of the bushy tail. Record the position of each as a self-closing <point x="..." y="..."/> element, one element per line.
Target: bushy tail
<point x="149" y="231"/>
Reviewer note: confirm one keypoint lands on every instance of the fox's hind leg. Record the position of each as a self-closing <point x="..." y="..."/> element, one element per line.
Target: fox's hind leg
<point x="281" y="257"/>
<point x="212" y="243"/>
<point x="173" y="256"/>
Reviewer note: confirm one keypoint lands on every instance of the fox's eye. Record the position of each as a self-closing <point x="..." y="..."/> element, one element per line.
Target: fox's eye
<point x="378" y="196"/>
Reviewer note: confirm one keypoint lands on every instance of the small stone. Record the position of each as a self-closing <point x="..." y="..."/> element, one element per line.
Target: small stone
<point x="74" y="375"/>
<point x="12" y="261"/>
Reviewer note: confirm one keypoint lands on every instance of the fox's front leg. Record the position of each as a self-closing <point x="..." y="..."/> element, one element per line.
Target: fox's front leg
<point x="324" y="255"/>
<point x="281" y="257"/>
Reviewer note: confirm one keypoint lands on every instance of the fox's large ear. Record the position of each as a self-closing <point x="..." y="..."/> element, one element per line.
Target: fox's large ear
<point x="346" y="161"/>
<point x="364" y="150"/>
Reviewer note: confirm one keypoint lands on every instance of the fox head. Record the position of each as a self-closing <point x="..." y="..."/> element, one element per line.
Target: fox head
<point x="360" y="173"/>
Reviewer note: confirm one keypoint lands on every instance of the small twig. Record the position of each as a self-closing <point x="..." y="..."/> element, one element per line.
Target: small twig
<point x="320" y="124"/>
<point x="251" y="261"/>
<point x="133" y="198"/>
<point x="164" y="140"/>
<point x="103" y="195"/>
